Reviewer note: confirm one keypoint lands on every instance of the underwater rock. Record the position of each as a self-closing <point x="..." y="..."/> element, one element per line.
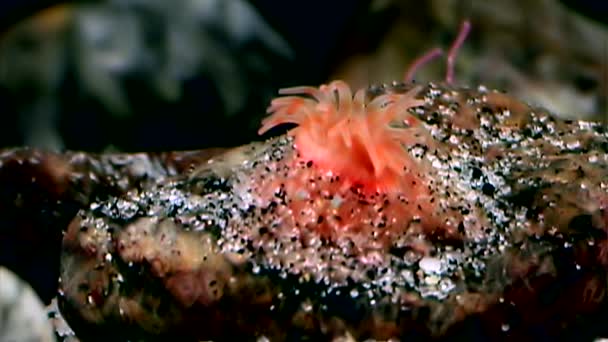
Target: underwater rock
<point x="507" y="238"/>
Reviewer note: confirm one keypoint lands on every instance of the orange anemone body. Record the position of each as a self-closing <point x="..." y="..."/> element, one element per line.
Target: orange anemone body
<point x="355" y="149"/>
<point x="343" y="134"/>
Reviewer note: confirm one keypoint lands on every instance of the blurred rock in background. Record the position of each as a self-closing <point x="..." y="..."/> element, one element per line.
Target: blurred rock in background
<point x="22" y="316"/>
<point x="110" y="73"/>
<point x="32" y="62"/>
<point x="134" y="75"/>
<point x="540" y="51"/>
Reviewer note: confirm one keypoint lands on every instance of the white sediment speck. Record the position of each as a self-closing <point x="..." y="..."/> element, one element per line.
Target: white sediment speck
<point x="430" y="265"/>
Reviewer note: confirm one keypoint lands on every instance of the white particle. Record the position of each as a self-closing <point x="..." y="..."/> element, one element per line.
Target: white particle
<point x="307" y="306"/>
<point x="430" y="265"/>
<point x="336" y="202"/>
<point x="432" y="280"/>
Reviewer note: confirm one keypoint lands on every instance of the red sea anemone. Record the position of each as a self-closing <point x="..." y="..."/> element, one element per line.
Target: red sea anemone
<point x="362" y="143"/>
<point x="359" y="140"/>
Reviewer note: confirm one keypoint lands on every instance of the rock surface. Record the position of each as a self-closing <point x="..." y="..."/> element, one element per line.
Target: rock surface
<point x="220" y="253"/>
